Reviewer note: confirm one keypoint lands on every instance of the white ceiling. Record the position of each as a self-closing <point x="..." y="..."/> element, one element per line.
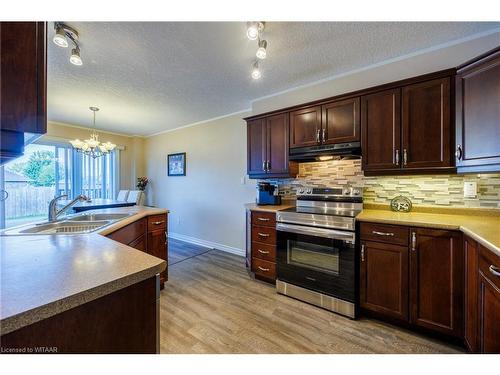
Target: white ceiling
<point x="152" y="77"/>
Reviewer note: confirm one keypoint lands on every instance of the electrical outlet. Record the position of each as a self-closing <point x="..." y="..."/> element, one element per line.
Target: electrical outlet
<point x="470" y="189"/>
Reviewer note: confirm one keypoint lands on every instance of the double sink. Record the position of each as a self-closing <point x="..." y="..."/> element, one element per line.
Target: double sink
<point x="73" y="224"/>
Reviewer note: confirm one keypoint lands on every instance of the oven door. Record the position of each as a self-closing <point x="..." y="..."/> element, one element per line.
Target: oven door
<point x="317" y="259"/>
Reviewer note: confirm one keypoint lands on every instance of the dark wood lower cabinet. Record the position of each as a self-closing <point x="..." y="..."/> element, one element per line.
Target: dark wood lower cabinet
<point x="384" y="279"/>
<point x="157" y="246"/>
<point x="421" y="284"/>
<point x="121" y="322"/>
<point x="471" y="290"/>
<point x="436" y="280"/>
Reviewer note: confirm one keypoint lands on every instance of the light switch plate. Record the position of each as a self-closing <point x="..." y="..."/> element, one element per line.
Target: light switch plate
<point x="470" y="189"/>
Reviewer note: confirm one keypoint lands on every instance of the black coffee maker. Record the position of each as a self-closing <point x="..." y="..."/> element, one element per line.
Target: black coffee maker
<point x="267" y="194"/>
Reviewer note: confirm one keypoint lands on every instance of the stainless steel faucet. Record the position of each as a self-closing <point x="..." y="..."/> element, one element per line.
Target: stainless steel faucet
<point x="54" y="212"/>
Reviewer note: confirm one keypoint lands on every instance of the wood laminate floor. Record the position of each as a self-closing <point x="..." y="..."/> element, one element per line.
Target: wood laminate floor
<point x="211" y="305"/>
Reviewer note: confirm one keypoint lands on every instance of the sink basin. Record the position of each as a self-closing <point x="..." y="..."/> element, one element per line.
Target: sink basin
<point x="62" y="227"/>
<point x="97" y="217"/>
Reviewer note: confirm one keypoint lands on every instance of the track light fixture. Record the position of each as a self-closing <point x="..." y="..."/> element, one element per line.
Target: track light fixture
<point x="256" y="74"/>
<point x="253" y="29"/>
<point x="63" y="33"/>
<point x="262" y="50"/>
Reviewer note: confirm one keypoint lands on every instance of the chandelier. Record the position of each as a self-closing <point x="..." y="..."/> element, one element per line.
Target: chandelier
<point x="92" y="146"/>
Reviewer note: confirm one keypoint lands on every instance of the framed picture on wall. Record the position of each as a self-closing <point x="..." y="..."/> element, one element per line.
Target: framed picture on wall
<point x="176" y="164"/>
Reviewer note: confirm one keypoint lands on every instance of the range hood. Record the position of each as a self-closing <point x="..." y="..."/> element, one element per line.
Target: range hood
<point x="339" y="151"/>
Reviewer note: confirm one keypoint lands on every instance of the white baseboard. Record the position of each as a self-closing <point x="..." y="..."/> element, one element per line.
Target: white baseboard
<point x="208" y="244"/>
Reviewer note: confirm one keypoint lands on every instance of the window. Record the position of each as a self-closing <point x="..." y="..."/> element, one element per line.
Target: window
<point x="48" y="170"/>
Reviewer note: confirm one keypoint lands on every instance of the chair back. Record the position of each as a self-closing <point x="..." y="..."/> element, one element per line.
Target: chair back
<point x="135" y="196"/>
<point x="122" y="195"/>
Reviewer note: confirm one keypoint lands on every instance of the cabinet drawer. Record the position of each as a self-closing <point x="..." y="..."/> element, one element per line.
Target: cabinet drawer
<point x="264" y="251"/>
<point x="264" y="268"/>
<point x="264" y="218"/>
<point x="129" y="233"/>
<point x="489" y="263"/>
<point x="156" y="222"/>
<point x="393" y="234"/>
<point x="265" y="235"/>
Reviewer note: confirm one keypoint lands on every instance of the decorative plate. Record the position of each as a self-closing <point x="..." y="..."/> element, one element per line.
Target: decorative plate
<point x="401" y="204"/>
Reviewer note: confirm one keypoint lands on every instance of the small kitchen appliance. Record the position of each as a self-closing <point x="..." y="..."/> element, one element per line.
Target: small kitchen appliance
<point x="267" y="194"/>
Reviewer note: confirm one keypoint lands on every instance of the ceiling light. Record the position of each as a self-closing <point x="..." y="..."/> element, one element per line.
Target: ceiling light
<point x="253" y="29"/>
<point x="75" y="58"/>
<point x="60" y="37"/>
<point x="262" y="50"/>
<point x="92" y="146"/>
<point x="256" y="74"/>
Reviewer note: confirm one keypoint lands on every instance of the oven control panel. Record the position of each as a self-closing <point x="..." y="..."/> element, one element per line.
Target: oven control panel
<point x="339" y="191"/>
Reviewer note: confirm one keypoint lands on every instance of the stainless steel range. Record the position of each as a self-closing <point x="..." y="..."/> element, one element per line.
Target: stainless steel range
<point x="316" y="248"/>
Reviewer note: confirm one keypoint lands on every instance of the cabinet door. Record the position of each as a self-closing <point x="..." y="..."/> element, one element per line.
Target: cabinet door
<point x="140" y="243"/>
<point x="23" y="77"/>
<point x="277" y="144"/>
<point x="384" y="279"/>
<point x="381" y="130"/>
<point x="341" y="121"/>
<point x="471" y="289"/>
<point x="157" y="246"/>
<point x="426" y="125"/>
<point x="436" y="280"/>
<point x="478" y="114"/>
<point x="256" y="146"/>
<point x="489" y="301"/>
<point x="305" y="127"/>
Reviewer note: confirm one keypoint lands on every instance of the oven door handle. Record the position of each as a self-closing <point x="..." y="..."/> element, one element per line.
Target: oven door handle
<point x="316" y="232"/>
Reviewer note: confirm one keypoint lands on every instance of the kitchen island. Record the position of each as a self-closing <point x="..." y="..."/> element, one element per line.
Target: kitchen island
<point x="80" y="293"/>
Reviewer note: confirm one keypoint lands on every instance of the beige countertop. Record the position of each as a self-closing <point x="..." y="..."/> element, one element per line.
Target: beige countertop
<point x="283" y="206"/>
<point x="43" y="275"/>
<point x="482" y="226"/>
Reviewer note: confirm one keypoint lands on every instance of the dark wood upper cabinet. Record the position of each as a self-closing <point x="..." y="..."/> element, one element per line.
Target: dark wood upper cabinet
<point x="267" y="148"/>
<point x="381" y="130"/>
<point x="277" y="144"/>
<point x="305" y="127"/>
<point x="340" y="122"/>
<point x="436" y="280"/>
<point x="256" y="146"/>
<point x="384" y="279"/>
<point x="23" y="98"/>
<point x="478" y="115"/>
<point x="426" y="132"/>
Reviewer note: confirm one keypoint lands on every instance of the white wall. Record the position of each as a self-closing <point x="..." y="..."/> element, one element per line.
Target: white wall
<point x="206" y="204"/>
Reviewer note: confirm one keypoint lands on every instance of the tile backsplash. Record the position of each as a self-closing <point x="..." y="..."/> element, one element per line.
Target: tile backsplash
<point x="423" y="190"/>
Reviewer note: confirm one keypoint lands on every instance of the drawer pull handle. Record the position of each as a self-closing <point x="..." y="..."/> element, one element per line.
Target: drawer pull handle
<point x="262" y="251"/>
<point x="413" y="241"/>
<point x="494" y="270"/>
<point x="382" y="233"/>
<point x="263" y="219"/>
<point x="263" y="269"/>
<point x="158" y="222"/>
<point x="310" y="278"/>
<point x="263" y="234"/>
<point x="363" y="252"/>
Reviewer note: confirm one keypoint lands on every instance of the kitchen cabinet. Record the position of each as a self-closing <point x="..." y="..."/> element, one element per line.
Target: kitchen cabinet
<point x="436" y="280"/>
<point x="471" y="293"/>
<point x="381" y="131"/>
<point x="267" y="148"/>
<point x="305" y="127"/>
<point x="148" y="235"/>
<point x="331" y="123"/>
<point x="489" y="302"/>
<point x="341" y="121"/>
<point x="478" y="114"/>
<point x="384" y="279"/>
<point x="426" y="131"/>
<point x="262" y="243"/>
<point x="413" y="276"/>
<point x="408" y="129"/>
<point x="23" y="87"/>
